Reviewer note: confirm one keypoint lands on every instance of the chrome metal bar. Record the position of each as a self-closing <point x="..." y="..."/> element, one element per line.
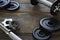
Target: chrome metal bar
<point x="45" y="2"/>
<point x="10" y="33"/>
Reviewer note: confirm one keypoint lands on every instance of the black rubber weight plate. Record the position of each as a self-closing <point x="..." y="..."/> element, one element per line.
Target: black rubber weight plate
<point x="13" y="6"/>
<point x="50" y="24"/>
<point x="34" y="2"/>
<point x="4" y="3"/>
<point x="39" y="36"/>
<point x="53" y="7"/>
<point x="15" y="25"/>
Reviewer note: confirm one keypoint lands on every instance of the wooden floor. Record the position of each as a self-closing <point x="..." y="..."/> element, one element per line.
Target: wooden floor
<point x="28" y="17"/>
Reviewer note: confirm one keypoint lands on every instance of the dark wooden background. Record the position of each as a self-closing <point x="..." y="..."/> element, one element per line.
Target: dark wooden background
<point x="28" y="17"/>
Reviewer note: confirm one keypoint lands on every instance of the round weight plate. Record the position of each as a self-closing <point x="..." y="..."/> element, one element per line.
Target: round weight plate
<point x="13" y="6"/>
<point x="4" y="3"/>
<point x="50" y="24"/>
<point x="34" y="2"/>
<point x="55" y="8"/>
<point x="41" y="34"/>
<point x="15" y="25"/>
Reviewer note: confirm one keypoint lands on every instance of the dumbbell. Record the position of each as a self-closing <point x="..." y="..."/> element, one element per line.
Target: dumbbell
<point x="39" y="34"/>
<point x="49" y="24"/>
<point x="8" y="31"/>
<point x="9" y="5"/>
<point x="54" y="7"/>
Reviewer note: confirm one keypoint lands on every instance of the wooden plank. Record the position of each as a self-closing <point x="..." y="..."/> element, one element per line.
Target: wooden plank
<point x="25" y="6"/>
<point x="22" y="1"/>
<point x="28" y="21"/>
<point x="28" y="17"/>
<point x="28" y="8"/>
<point x="28" y="1"/>
<point x="26" y="36"/>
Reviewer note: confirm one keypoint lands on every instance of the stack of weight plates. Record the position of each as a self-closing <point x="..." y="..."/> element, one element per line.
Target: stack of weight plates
<point x="9" y="5"/>
<point x="47" y="26"/>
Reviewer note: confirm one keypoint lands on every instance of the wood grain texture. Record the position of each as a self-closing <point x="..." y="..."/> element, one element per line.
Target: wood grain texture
<point x="28" y="18"/>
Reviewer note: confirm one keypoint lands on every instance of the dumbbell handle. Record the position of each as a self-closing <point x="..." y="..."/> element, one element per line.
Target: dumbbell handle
<point x="13" y="36"/>
<point x="45" y="2"/>
<point x="9" y="33"/>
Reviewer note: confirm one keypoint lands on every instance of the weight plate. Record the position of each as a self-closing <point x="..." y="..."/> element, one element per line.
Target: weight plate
<point x="55" y="8"/>
<point x="15" y="25"/>
<point x="41" y="34"/>
<point x="13" y="6"/>
<point x="50" y="24"/>
<point x="34" y="2"/>
<point x="4" y="3"/>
